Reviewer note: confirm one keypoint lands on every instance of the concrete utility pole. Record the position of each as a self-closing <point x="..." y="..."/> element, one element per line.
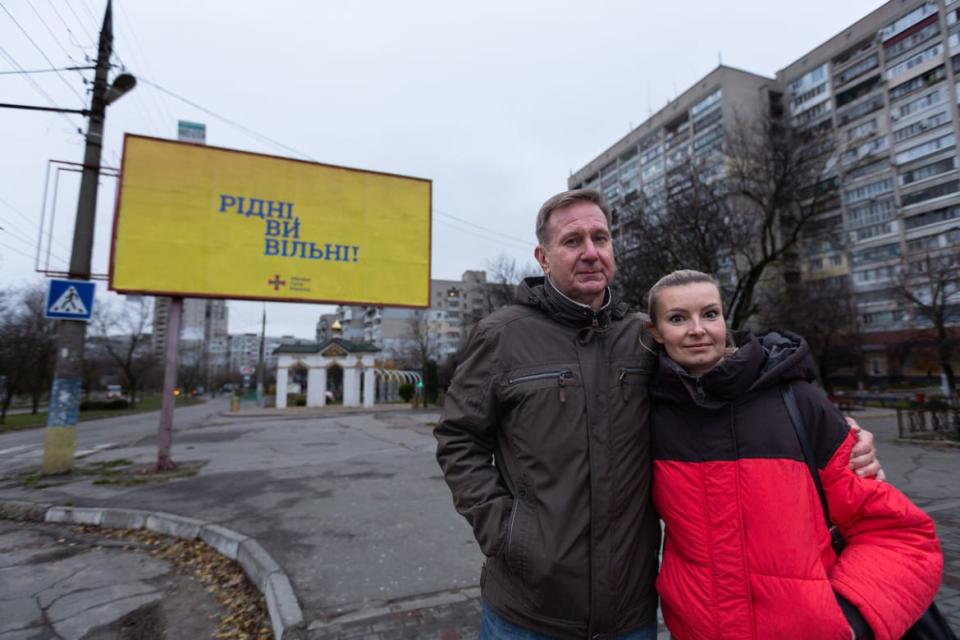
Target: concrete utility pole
<point x="60" y="440"/>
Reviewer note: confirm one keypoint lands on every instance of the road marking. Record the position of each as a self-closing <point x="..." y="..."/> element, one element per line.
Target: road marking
<point x="12" y="449"/>
<point x="83" y="453"/>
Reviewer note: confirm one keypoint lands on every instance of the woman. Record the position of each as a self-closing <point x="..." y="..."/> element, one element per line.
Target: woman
<point x="747" y="553"/>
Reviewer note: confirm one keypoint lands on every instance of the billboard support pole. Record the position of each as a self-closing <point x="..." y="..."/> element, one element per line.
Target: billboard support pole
<point x="165" y="431"/>
<point x="261" y="366"/>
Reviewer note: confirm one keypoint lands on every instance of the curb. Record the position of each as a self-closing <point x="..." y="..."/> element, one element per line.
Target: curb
<point x="286" y="617"/>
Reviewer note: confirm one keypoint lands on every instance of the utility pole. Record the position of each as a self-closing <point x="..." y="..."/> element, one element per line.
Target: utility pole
<point x="60" y="440"/>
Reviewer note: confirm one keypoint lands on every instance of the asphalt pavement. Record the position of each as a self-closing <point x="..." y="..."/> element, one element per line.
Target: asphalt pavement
<point x="350" y="505"/>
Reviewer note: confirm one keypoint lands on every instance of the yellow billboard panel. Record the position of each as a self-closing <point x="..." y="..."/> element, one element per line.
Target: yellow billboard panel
<point x="202" y="221"/>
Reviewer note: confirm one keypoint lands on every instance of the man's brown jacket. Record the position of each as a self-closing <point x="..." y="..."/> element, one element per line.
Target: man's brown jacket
<point x="556" y="394"/>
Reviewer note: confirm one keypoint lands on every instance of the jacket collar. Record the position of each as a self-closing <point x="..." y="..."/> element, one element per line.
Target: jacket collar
<point x="540" y="292"/>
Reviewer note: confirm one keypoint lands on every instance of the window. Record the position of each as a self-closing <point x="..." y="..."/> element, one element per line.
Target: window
<point x="858" y="91"/>
<point x="925" y="149"/>
<point x="865" y="65"/>
<point x="936" y="191"/>
<point x="876" y="274"/>
<point x="807" y="99"/>
<point x="920" y="126"/>
<point x="934" y="242"/>
<point x="650" y="154"/>
<point x="932" y="217"/>
<point x="867" y="169"/>
<point x="652" y="170"/>
<point x="919" y="83"/>
<point x="706" y="103"/>
<point x="870" y="190"/>
<point x="878" y="211"/>
<point x="922" y="32"/>
<point x="914" y="61"/>
<point x="859" y="110"/>
<point x="905" y="22"/>
<point x="708" y="120"/>
<point x="918" y="104"/>
<point x="708" y="141"/>
<point x="862" y="151"/>
<point x="875" y="254"/>
<point x="881" y="295"/>
<point x="861" y="130"/>
<point x="873" y="231"/>
<point x="928" y="171"/>
<point x="809" y="79"/>
<point x="812" y="113"/>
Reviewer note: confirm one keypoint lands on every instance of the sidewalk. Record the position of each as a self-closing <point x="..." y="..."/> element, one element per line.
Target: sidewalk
<point x="353" y="509"/>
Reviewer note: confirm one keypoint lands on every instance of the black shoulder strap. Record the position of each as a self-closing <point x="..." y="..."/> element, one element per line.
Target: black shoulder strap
<point x="790" y="400"/>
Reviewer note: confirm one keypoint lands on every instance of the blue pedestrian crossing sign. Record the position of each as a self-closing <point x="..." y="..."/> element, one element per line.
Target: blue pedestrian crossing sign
<point x="69" y="300"/>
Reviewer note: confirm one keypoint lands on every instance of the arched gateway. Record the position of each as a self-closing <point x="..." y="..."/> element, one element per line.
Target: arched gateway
<point x="356" y="360"/>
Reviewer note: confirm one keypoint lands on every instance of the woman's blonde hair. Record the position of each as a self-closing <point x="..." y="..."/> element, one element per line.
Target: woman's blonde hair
<point x="677" y="278"/>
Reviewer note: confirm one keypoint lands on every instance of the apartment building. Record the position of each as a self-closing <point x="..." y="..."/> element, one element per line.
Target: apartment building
<point x="203" y="332"/>
<point x="455" y="307"/>
<point x="885" y="91"/>
<point x="883" y="95"/>
<point x="651" y="160"/>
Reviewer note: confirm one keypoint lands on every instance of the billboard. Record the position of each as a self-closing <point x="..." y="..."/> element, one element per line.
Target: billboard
<point x="201" y="221"/>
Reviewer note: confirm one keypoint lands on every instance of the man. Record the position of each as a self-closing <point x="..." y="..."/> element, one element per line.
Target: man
<point x="553" y="389"/>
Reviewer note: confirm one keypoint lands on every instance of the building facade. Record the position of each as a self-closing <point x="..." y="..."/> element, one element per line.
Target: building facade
<point x="455" y="307"/>
<point x="882" y="98"/>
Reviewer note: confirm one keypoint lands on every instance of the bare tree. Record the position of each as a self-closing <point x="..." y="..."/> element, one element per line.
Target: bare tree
<point x="27" y="347"/>
<point x="503" y="276"/>
<point x="824" y="312"/>
<point x="740" y="214"/>
<point x="124" y="332"/>
<point x="931" y="285"/>
<point x="422" y="342"/>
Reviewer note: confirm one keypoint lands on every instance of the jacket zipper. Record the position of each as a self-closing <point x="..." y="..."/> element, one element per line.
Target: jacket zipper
<point x="561" y="376"/>
<point x="700" y="393"/>
<point x="622" y="379"/>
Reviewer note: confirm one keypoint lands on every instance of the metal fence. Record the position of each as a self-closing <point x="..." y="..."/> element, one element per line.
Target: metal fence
<point x="931" y="422"/>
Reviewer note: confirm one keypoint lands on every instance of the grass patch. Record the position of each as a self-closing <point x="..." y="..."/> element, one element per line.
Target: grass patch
<point x="150" y="402"/>
<point x="135" y="475"/>
<point x="118" y="472"/>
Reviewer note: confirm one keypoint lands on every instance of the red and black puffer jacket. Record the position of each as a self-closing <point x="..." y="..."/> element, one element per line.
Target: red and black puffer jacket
<point x="747" y="553"/>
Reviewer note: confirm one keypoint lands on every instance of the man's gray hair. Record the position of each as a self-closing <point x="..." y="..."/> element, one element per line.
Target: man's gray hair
<point x="565" y="199"/>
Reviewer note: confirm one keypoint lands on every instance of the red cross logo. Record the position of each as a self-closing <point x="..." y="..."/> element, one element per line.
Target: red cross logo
<point x="277" y="282"/>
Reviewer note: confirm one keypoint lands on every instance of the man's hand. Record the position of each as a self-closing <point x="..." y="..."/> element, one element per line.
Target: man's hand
<point x="863" y="458"/>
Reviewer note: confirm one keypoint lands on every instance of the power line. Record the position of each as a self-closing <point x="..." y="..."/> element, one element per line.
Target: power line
<point x="232" y="123"/>
<point x="42" y="53"/>
<point x="49" y="30"/>
<point x="485" y="235"/>
<point x="31" y="71"/>
<point x="39" y="89"/>
<point x="482" y="228"/>
<point x="137" y="49"/>
<point x="30" y="222"/>
<point x="15" y="250"/>
<point x="80" y="22"/>
<point x="73" y="39"/>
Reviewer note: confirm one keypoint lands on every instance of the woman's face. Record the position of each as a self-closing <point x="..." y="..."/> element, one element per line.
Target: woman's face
<point x="690" y="325"/>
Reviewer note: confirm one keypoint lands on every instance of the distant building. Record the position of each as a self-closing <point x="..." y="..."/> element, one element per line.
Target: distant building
<point x="455" y="308"/>
<point x="203" y="332"/>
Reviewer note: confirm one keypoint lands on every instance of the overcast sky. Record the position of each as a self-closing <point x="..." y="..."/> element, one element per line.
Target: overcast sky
<point x="495" y="102"/>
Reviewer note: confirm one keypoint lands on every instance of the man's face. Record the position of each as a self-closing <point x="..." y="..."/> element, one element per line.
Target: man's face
<point x="578" y="255"/>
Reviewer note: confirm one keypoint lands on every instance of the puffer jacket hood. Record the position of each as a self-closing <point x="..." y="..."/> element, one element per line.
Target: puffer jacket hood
<point x="761" y="360"/>
<point x="541" y="293"/>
